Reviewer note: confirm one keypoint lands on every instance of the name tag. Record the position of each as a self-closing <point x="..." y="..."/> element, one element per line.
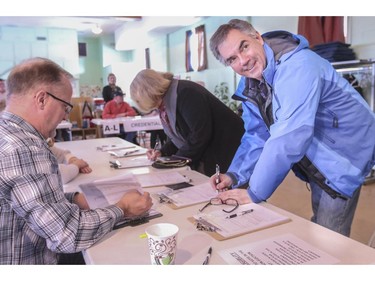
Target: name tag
<point x="110" y="128"/>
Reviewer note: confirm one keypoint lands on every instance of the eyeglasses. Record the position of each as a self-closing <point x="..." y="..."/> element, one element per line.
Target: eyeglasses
<point x="218" y="201"/>
<point x="68" y="106"/>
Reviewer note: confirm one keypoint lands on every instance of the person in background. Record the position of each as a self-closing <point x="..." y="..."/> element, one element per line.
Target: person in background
<point x="117" y="108"/>
<point x="109" y="90"/>
<point x="38" y="221"/>
<point x="3" y="94"/>
<point x="198" y="125"/>
<point x="299" y="114"/>
<point x="69" y="165"/>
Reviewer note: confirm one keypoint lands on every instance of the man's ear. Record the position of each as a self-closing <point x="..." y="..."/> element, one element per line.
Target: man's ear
<point x="259" y="38"/>
<point x="40" y="99"/>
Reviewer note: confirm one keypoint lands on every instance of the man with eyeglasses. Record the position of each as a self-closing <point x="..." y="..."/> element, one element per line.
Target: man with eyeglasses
<point x="38" y="221"/>
<point x="299" y="114"/>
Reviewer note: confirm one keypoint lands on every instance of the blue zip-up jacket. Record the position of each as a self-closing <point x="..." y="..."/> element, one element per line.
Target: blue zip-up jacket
<point x="316" y="113"/>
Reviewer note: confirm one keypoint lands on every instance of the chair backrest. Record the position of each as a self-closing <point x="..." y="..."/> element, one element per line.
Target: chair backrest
<point x="76" y="113"/>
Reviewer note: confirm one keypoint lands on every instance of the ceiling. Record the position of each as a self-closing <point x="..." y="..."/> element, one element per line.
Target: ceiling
<point x="109" y="24"/>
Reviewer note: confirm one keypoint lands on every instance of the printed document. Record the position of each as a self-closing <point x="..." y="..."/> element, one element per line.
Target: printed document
<point x="133" y="162"/>
<point x="105" y="192"/>
<point x="190" y="195"/>
<point x="245" y="219"/>
<point x="160" y="178"/>
<point x="116" y="146"/>
<point x="128" y="152"/>
<point x="281" y="250"/>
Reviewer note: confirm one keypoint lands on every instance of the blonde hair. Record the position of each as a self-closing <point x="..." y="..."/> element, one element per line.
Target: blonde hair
<point x="148" y="88"/>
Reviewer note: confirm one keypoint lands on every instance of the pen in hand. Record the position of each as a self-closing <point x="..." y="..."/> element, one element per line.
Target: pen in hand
<point x="208" y="256"/>
<point x="217" y="178"/>
<point x="217" y="174"/>
<point x="157" y="147"/>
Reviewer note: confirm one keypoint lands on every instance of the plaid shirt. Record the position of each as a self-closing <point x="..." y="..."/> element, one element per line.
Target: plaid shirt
<point x="37" y="220"/>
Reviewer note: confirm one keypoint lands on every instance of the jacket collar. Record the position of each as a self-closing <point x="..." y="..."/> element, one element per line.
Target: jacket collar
<point x="278" y="46"/>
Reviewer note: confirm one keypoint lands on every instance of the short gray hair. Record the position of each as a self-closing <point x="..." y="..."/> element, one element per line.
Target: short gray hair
<point x="222" y="32"/>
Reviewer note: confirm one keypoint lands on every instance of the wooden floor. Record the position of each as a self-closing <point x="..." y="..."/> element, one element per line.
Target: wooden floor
<point x="293" y="196"/>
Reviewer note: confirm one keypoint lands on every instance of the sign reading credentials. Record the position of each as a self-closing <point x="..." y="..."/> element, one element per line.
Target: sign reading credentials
<point x="142" y="124"/>
<point x="112" y="127"/>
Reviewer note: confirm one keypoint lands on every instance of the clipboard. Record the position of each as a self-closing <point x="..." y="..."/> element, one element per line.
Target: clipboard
<point x="221" y="227"/>
<point x="184" y="194"/>
<point x="137" y="221"/>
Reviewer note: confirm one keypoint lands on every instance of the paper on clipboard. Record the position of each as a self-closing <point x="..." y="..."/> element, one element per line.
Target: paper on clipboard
<point x="160" y="178"/>
<point x="189" y="196"/>
<point x="128" y="152"/>
<point x="133" y="163"/>
<point x="225" y="228"/>
<point x="116" y="146"/>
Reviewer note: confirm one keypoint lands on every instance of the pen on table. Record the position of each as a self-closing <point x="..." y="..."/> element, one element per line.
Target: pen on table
<point x="239" y="214"/>
<point x="208" y="256"/>
<point x="130" y="152"/>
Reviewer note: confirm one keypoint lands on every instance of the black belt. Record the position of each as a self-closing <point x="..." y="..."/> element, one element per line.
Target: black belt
<point x="312" y="174"/>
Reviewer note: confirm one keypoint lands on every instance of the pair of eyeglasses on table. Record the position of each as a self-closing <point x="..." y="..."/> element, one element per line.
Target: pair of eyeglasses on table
<point x="217" y="201"/>
<point x="204" y="225"/>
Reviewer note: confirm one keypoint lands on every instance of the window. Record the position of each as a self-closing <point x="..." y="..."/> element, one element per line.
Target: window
<point x="196" y="50"/>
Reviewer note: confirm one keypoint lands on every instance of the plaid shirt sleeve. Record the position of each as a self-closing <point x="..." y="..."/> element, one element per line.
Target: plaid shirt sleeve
<point x="35" y="210"/>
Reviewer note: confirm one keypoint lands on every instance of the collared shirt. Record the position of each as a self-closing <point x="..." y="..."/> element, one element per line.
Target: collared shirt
<point x="37" y="220"/>
<point x="112" y="108"/>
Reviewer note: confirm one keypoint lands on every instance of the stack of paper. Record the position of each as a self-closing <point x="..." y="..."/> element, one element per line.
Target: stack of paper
<point x="105" y="192"/>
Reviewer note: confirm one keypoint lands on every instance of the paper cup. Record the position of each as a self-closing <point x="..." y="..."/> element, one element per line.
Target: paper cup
<point x="162" y="243"/>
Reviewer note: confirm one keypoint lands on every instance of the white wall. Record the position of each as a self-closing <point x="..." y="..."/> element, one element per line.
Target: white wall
<point x="361" y="36"/>
<point x="59" y="45"/>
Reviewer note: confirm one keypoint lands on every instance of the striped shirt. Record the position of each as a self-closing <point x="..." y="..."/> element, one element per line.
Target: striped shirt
<point x="37" y="219"/>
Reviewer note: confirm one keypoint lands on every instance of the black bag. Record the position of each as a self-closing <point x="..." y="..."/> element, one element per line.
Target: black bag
<point x="168" y="162"/>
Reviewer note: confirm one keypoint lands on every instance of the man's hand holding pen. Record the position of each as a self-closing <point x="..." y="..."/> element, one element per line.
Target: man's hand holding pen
<point x="220" y="182"/>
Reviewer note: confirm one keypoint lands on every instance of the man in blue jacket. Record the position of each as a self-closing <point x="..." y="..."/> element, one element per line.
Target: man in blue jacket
<point x="299" y="114"/>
